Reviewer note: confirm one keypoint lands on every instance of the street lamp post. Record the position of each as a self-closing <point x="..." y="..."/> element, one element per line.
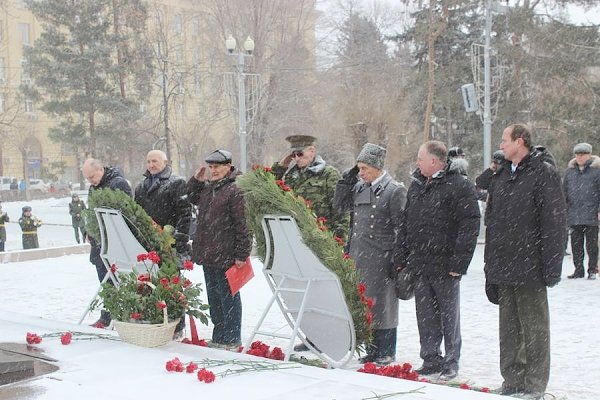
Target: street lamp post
<point x="231" y="45"/>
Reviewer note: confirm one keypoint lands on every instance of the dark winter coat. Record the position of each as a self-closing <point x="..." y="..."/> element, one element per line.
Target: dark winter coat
<point x="526" y="219"/>
<point x="29" y="226"/>
<point x="164" y="199"/>
<point x="582" y="192"/>
<point x="316" y="183"/>
<point x="3" y="220"/>
<point x="221" y="236"/>
<point x="75" y="209"/>
<point x="441" y="223"/>
<point x="374" y="241"/>
<point x="112" y="179"/>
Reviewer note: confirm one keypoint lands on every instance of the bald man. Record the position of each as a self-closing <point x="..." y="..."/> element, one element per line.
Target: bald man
<point x="163" y="196"/>
<point x="101" y="177"/>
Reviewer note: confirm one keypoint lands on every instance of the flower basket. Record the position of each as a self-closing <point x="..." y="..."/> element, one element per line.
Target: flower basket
<point x="146" y="335"/>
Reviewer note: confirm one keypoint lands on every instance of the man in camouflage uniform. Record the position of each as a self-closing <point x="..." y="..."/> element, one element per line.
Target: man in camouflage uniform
<point x="307" y="174"/>
<point x="29" y="225"/>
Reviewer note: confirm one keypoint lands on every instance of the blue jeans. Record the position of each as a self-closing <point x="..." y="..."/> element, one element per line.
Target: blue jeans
<point x="225" y="309"/>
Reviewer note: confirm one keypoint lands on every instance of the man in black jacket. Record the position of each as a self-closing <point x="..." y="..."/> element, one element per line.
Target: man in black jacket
<point x="523" y="256"/>
<point x="163" y="196"/>
<point x="101" y="177"/>
<point x="440" y="230"/>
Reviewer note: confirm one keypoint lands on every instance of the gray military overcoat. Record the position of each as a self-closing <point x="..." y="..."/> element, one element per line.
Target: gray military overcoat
<point x="374" y="240"/>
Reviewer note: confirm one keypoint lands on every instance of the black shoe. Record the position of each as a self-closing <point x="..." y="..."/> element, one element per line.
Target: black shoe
<point x="384" y="360"/>
<point x="592" y="276"/>
<point x="429" y="370"/>
<point x="575" y="275"/>
<point x="104" y="320"/>
<point x="448" y="373"/>
<point x="301" y="347"/>
<point x="367" y="358"/>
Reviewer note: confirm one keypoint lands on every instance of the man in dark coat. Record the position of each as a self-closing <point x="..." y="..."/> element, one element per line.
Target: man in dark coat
<point x="376" y="202"/>
<point x="582" y="193"/>
<point x="441" y="227"/>
<point x="163" y="196"/>
<point x="76" y="207"/>
<point x="523" y="256"/>
<point x="101" y="177"/>
<point x="220" y="242"/>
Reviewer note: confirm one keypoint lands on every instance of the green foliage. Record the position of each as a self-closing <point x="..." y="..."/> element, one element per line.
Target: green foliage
<point x="264" y="196"/>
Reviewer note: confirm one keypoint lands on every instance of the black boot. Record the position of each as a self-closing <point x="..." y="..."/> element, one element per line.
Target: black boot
<point x="103" y="321"/>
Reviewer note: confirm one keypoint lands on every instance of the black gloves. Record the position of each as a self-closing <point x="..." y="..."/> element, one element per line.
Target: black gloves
<point x="491" y="291"/>
<point x="350" y="176"/>
<point x="182" y="245"/>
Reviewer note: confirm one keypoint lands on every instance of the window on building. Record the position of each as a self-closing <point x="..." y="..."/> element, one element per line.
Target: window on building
<point x="29" y="106"/>
<point x="195" y="26"/>
<point x="25" y="76"/>
<point x="24" y="31"/>
<point x="178" y="24"/>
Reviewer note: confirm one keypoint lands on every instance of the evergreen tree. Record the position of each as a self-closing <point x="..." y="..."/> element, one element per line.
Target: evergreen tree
<point x="80" y="64"/>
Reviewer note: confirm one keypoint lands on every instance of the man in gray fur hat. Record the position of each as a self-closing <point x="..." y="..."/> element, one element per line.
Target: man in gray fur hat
<point x="376" y="202"/>
<point x="581" y="186"/>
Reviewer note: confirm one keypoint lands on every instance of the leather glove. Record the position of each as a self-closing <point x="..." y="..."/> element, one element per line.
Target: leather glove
<point x="182" y="245"/>
<point x="491" y="291"/>
<point x="350" y="176"/>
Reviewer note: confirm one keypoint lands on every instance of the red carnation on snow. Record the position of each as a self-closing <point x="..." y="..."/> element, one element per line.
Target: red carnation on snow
<point x="174" y="365"/>
<point x="66" y="337"/>
<point x="33" y="338"/>
<point x="206" y="376"/>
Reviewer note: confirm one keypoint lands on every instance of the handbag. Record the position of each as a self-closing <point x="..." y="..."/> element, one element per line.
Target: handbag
<point x="405" y="284"/>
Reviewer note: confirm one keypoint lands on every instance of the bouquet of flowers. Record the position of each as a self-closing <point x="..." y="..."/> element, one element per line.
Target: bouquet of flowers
<point x="143" y="297"/>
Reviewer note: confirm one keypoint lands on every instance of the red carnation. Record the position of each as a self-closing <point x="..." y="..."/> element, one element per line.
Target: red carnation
<point x="361" y="288"/>
<point x="136" y="315"/>
<point x="113" y="268"/>
<point x="164" y="281"/>
<point x="154" y="257"/>
<point x="33" y="338"/>
<point x="188" y="265"/>
<point x="174" y="365"/>
<point x="161" y="304"/>
<point x="142" y="257"/>
<point x="144" y="277"/>
<point x="206" y="376"/>
<point x="66" y="338"/>
<point x="191" y="368"/>
<point x="175" y="279"/>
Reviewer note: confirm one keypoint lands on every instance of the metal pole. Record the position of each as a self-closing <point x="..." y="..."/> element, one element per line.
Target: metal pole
<point x="242" y="111"/>
<point x="487" y="117"/>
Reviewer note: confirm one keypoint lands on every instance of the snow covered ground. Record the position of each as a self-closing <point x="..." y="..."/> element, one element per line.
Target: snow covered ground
<point x="59" y="289"/>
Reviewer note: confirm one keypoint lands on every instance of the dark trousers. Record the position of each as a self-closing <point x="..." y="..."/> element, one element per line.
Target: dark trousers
<point x="2" y="245"/>
<point x="30" y="241"/>
<point x="97" y="260"/>
<point x="437" y="302"/>
<point x="589" y="234"/>
<point x="383" y="344"/>
<point x="77" y="229"/>
<point x="524" y="338"/>
<point x="225" y="309"/>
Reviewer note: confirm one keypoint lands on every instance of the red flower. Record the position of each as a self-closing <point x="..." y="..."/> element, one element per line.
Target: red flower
<point x="464" y="386"/>
<point x="186" y="283"/>
<point x="369" y="317"/>
<point x="142" y="257"/>
<point x="66" y="338"/>
<point x="206" y="376"/>
<point x="361" y="288"/>
<point x="485" y="389"/>
<point x="282" y="185"/>
<point x="136" y="315"/>
<point x="113" y="268"/>
<point x="191" y="367"/>
<point x="144" y="277"/>
<point x="277" y="354"/>
<point x="188" y="265"/>
<point x="161" y="304"/>
<point x="175" y="279"/>
<point x="322" y="220"/>
<point x="339" y="240"/>
<point x="33" y="338"/>
<point x="267" y="169"/>
<point x="174" y="365"/>
<point x="370" y="302"/>
<point x="154" y="257"/>
<point x="346" y="256"/>
<point x="164" y="281"/>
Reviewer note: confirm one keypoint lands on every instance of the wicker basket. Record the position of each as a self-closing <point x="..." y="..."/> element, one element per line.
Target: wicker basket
<point x="146" y="335"/>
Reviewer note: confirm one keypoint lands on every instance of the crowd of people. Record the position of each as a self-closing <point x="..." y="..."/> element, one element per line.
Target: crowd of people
<point x="429" y="228"/>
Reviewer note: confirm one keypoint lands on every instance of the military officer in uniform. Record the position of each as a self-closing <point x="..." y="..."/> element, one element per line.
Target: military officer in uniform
<point x="29" y="226"/>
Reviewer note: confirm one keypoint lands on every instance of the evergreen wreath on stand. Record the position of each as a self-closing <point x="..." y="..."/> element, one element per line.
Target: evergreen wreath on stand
<point x="150" y="235"/>
<point x="264" y="195"/>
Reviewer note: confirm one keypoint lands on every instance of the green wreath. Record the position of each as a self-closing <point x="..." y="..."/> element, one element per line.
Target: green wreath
<point x="150" y="235"/>
<point x="264" y="195"/>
